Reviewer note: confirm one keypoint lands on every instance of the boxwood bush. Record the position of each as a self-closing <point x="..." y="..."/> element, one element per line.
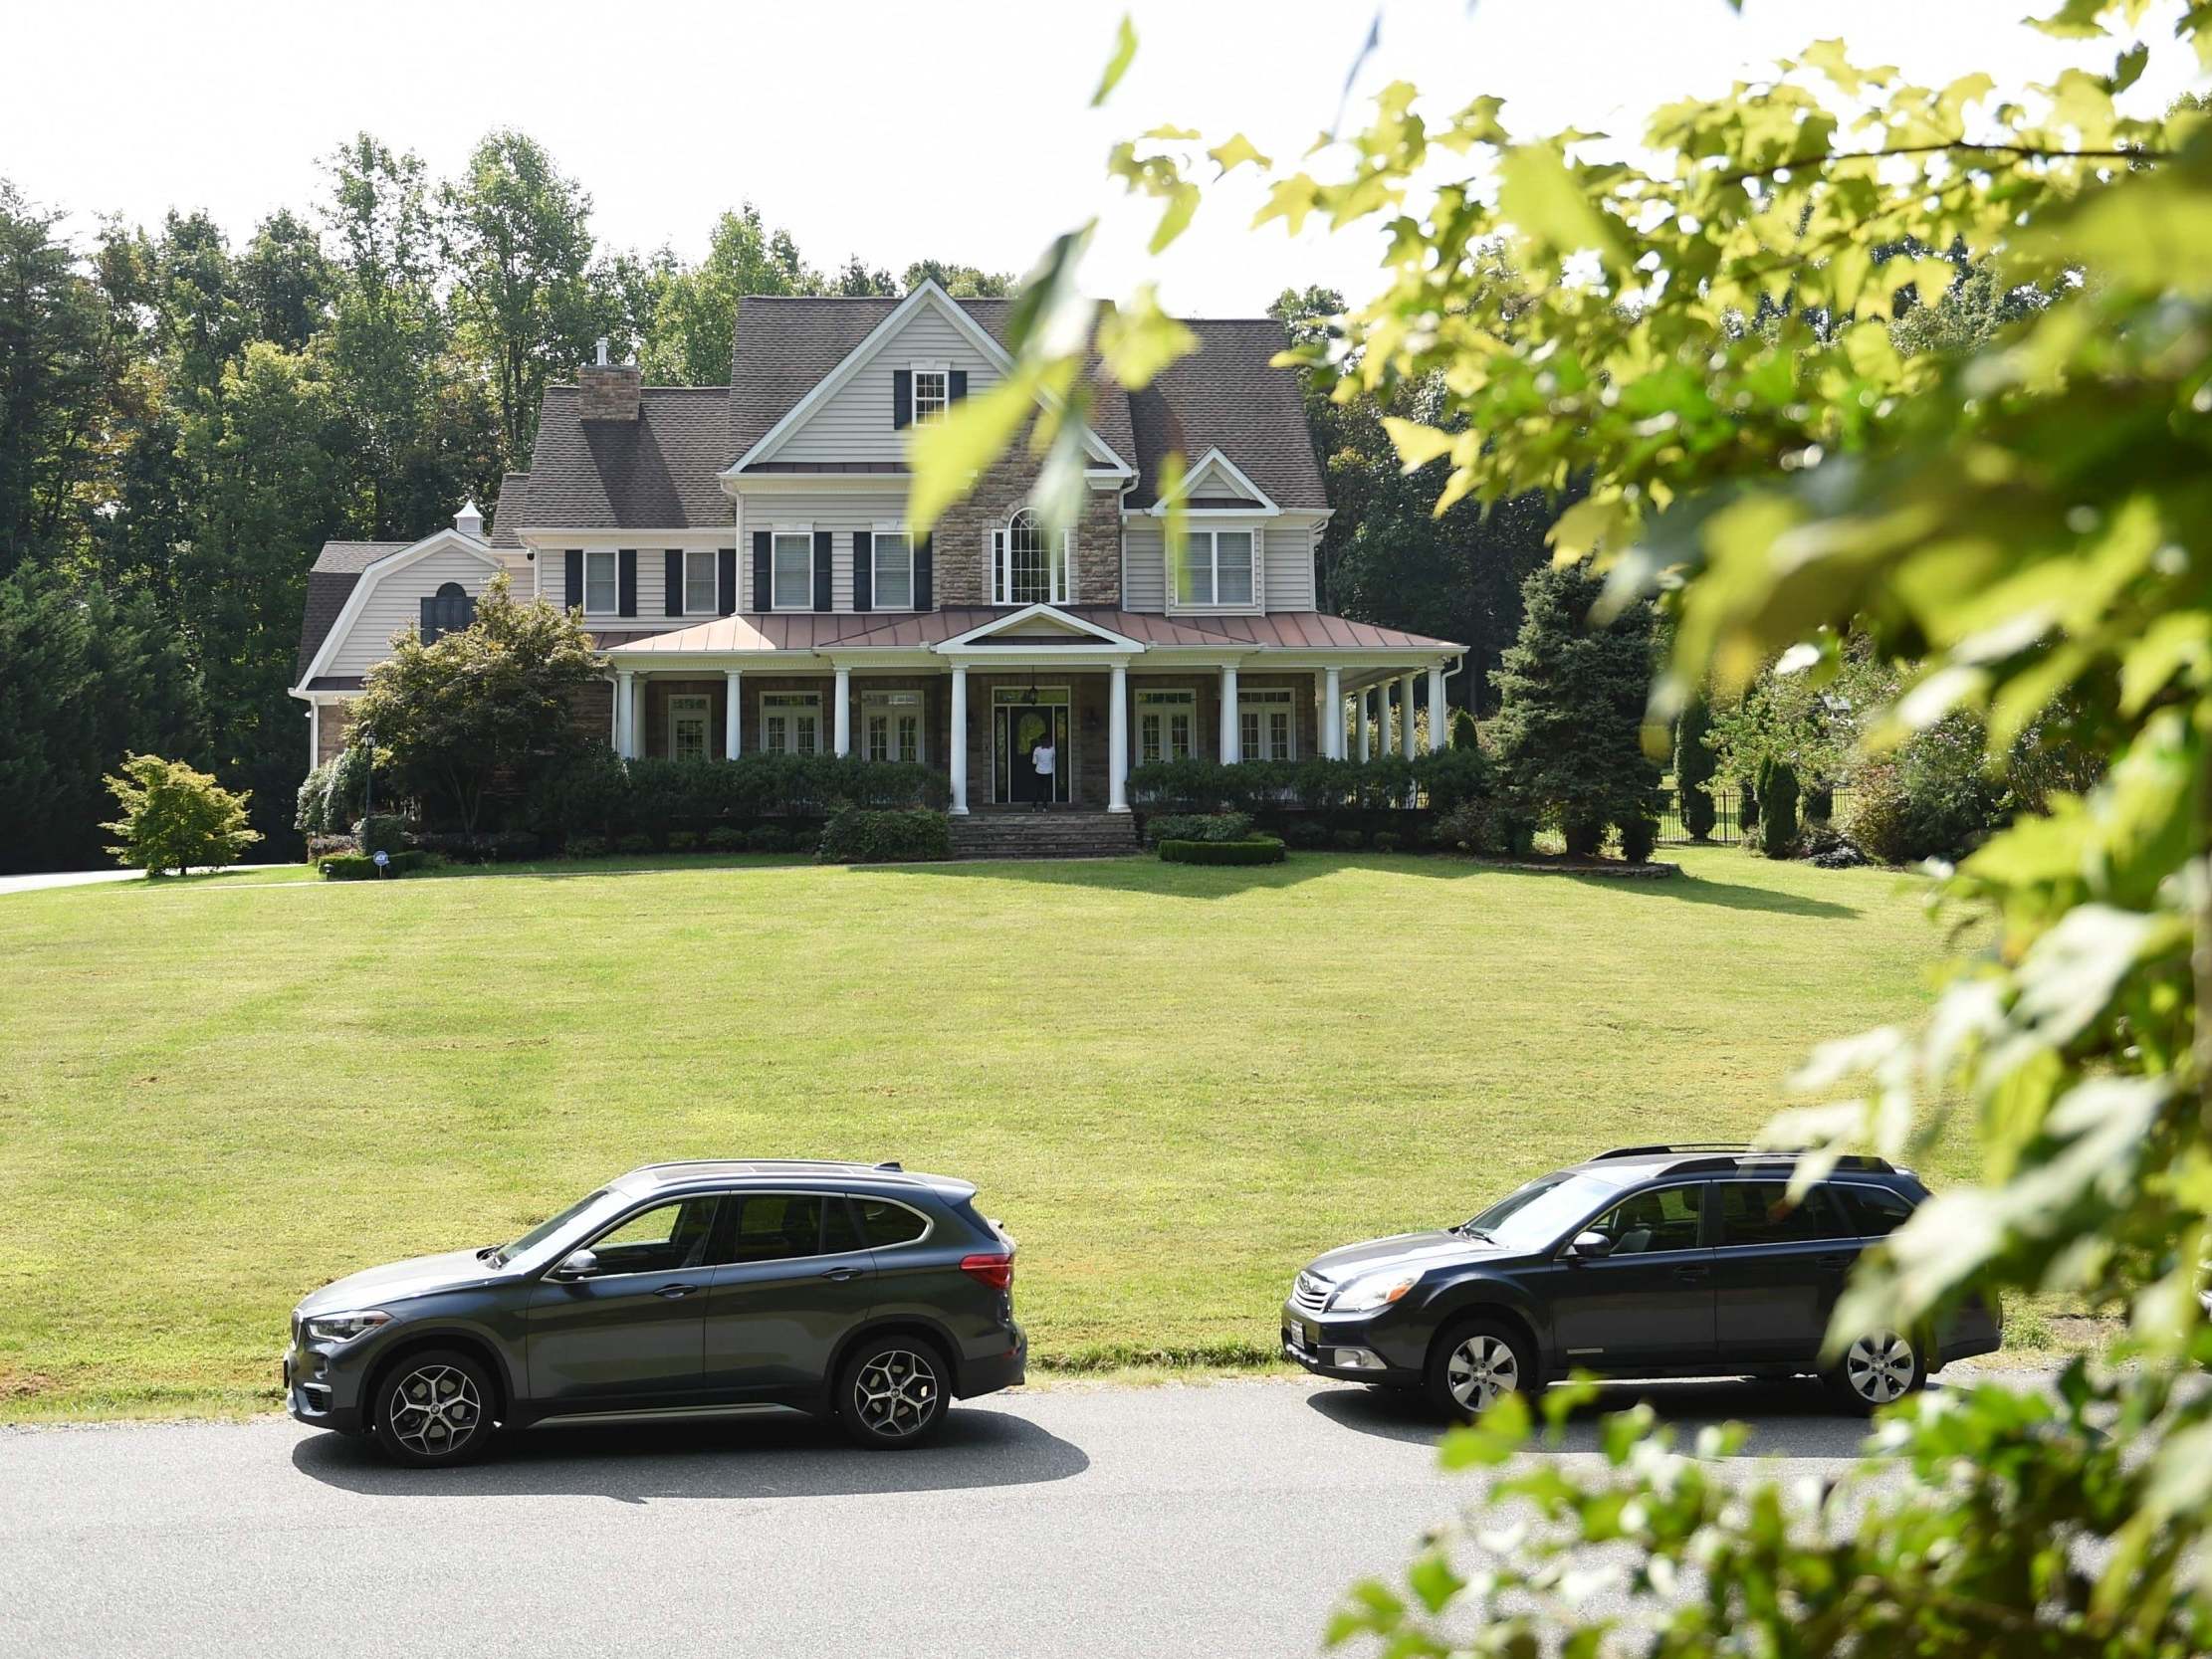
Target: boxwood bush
<point x="1259" y="849"/>
<point x="603" y="796"/>
<point x="362" y="867"/>
<point x="1197" y="826"/>
<point x="868" y="835"/>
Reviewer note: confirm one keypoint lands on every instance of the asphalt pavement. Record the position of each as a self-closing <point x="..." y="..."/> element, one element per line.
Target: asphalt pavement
<point x="1213" y="1519"/>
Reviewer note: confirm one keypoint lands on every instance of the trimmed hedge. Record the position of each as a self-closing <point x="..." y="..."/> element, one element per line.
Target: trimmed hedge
<point x="1199" y="826"/>
<point x="1445" y="777"/>
<point x="362" y="867"/>
<point x="1260" y="849"/>
<point x="862" y="835"/>
<point x="600" y="795"/>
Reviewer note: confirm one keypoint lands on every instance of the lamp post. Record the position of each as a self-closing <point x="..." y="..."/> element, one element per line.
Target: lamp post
<point x="368" y="778"/>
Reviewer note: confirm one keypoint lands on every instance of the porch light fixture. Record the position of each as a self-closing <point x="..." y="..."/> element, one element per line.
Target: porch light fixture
<point x="1029" y="697"/>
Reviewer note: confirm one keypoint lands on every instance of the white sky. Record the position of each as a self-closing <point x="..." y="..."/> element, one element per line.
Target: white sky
<point x="895" y="131"/>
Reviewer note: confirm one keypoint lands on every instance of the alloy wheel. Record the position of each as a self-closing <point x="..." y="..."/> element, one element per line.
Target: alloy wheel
<point x="1879" y="1366"/>
<point x="435" y="1412"/>
<point x="1480" y="1370"/>
<point x="895" y="1393"/>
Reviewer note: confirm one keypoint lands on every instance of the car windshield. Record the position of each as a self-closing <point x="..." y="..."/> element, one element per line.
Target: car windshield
<point x="544" y="1230"/>
<point x="1538" y="1213"/>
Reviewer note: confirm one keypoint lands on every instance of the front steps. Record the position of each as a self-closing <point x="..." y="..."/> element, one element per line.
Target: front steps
<point x="1060" y="833"/>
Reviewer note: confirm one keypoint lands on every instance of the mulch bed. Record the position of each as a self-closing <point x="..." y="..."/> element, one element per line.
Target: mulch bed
<point x="1561" y="864"/>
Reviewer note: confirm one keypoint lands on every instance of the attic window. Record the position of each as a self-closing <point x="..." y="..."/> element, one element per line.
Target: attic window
<point x="932" y="393"/>
<point x="1216" y="569"/>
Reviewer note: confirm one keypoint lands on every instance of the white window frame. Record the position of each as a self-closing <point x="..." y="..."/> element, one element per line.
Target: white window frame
<point x="776" y="538"/>
<point x="1166" y="701"/>
<point x="1261" y="701"/>
<point x="1056" y="565"/>
<point x="613" y="558"/>
<point x="892" y="705"/>
<point x="713" y="583"/>
<point x="875" y="565"/>
<point x="795" y="705"/>
<point x="1201" y="553"/>
<point x="944" y="399"/>
<point x="696" y="706"/>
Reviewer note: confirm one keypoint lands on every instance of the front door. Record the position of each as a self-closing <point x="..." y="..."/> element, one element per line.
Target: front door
<point x="1649" y="1303"/>
<point x="632" y="1334"/>
<point x="796" y="1281"/>
<point x="1021" y="727"/>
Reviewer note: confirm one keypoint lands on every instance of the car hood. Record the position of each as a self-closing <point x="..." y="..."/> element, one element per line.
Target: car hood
<point x="1407" y="1250"/>
<point x="396" y="1280"/>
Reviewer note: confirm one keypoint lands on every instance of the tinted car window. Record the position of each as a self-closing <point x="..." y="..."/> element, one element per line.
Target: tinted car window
<point x="1761" y="1212"/>
<point x="776" y="1226"/>
<point x="840" y="1232"/>
<point x="1872" y="1211"/>
<point x="664" y="1239"/>
<point x="1651" y="1222"/>
<point x="884" y="1223"/>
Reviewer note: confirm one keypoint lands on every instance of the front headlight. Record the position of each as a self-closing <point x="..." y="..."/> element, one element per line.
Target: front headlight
<point x="1376" y="1290"/>
<point x="344" y="1328"/>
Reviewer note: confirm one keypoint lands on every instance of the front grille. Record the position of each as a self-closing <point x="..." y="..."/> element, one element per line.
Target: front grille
<point x="1310" y="1293"/>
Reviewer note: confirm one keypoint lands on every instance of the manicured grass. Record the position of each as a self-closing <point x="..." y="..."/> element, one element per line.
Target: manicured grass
<point x="1173" y="1083"/>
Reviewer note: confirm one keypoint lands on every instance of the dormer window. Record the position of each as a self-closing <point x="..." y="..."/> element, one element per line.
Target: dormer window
<point x="933" y="392"/>
<point x="1216" y="569"/>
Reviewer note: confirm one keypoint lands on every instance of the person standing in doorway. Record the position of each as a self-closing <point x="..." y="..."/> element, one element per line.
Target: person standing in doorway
<point x="1043" y="757"/>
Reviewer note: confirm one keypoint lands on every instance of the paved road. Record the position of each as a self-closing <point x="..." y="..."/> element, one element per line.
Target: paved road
<point x="1220" y="1519"/>
<point x="86" y="878"/>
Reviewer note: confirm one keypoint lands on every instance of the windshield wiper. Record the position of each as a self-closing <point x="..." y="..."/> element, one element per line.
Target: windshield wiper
<point x="1469" y="1229"/>
<point x="493" y="1253"/>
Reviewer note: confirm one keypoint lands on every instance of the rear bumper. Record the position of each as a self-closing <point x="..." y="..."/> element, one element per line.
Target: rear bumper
<point x="988" y="1375"/>
<point x="1976" y="1329"/>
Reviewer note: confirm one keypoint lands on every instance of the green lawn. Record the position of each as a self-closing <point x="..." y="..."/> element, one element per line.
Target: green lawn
<point x="1174" y="1084"/>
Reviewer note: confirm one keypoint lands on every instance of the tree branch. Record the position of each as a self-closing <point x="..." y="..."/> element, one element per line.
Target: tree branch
<point x="2018" y="152"/>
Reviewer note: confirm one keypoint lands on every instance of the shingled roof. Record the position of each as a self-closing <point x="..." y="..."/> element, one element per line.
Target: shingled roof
<point x="1226" y="396"/>
<point x="662" y="471"/>
<point x="331" y="582"/>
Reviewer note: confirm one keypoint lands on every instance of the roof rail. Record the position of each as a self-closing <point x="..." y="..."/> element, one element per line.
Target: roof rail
<point x="1675" y="1146"/>
<point x="1725" y="1151"/>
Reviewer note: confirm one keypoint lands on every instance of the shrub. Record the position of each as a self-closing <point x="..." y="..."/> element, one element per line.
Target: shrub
<point x="588" y="846"/>
<point x="322" y="846"/>
<point x="1388" y="841"/>
<point x="333" y="794"/>
<point x="382" y="832"/>
<point x="634" y="844"/>
<point x="1881" y="823"/>
<point x="1584" y="836"/>
<point x="682" y="841"/>
<point x="1778" y="810"/>
<point x="1453" y="775"/>
<point x="1638" y="836"/>
<point x="498" y="846"/>
<point x="1694" y="771"/>
<point x="865" y="835"/>
<point x="1465" y="734"/>
<point x="362" y="867"/>
<point x="1197" y="826"/>
<point x="767" y="838"/>
<point x="1349" y="840"/>
<point x="725" y="838"/>
<point x="1306" y="834"/>
<point x="1260" y="849"/>
<point x="174" y="817"/>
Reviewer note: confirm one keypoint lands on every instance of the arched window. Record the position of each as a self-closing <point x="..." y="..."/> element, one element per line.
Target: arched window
<point x="1027" y="569"/>
<point x="447" y="612"/>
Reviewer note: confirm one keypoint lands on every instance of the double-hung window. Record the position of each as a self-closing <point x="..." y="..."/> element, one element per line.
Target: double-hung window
<point x="1216" y="568"/>
<point x="1166" y="721"/>
<point x="892" y="555"/>
<point x="699" y="582"/>
<point x="792" y="581"/>
<point x="1267" y="730"/>
<point x="602" y="591"/>
<point x="933" y="392"/>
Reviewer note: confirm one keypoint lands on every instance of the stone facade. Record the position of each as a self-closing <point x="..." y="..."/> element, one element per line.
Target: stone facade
<point x="331" y="722"/>
<point x="961" y="543"/>
<point x="1085" y="760"/>
<point x="613" y="392"/>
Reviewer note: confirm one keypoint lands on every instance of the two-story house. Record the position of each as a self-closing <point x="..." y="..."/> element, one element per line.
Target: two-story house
<point x="740" y="555"/>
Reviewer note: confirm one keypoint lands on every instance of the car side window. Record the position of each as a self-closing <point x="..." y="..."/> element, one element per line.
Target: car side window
<point x="884" y="1223"/>
<point x="666" y="1238"/>
<point x="776" y="1226"/>
<point x="840" y="1228"/>
<point x="1872" y="1211"/>
<point x="1761" y="1212"/>
<point x="1652" y="1222"/>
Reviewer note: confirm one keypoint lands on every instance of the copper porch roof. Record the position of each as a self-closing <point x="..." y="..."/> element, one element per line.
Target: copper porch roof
<point x="918" y="630"/>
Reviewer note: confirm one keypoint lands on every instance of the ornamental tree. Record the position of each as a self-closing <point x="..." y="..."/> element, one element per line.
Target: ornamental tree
<point x="489" y="702"/>
<point x="1694" y="769"/>
<point x="175" y="818"/>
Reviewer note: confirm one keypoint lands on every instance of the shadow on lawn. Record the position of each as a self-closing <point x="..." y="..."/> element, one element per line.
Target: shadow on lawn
<point x="1786" y="1418"/>
<point x="1144" y="873"/>
<point x="1696" y="890"/>
<point x="787" y="1455"/>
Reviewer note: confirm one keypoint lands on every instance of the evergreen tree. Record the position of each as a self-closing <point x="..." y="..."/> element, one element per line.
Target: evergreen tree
<point x="1568" y="740"/>
<point x="1694" y="769"/>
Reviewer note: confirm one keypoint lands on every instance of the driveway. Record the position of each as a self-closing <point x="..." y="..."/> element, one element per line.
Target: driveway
<point x="86" y="878"/>
<point x="1219" y="1519"/>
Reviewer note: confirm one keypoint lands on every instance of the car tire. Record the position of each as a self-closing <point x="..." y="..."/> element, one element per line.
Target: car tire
<point x="893" y="1393"/>
<point x="1877" y="1369"/>
<point x="432" y="1409"/>
<point x="1474" y="1363"/>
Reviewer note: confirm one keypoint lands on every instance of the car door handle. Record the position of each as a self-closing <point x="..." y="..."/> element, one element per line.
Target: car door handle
<point x="842" y="1273"/>
<point x="672" y="1292"/>
<point x="1839" y="1259"/>
<point x="1690" y="1272"/>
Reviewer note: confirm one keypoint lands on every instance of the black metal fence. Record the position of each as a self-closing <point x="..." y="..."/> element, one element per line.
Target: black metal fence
<point x="1729" y="828"/>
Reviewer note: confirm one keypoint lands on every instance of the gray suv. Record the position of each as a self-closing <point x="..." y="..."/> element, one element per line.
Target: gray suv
<point x="857" y="1290"/>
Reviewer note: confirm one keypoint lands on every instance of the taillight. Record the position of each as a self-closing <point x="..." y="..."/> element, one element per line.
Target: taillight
<point x="994" y="1271"/>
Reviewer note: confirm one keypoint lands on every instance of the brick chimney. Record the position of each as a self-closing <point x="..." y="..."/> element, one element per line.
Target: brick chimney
<point x="611" y="392"/>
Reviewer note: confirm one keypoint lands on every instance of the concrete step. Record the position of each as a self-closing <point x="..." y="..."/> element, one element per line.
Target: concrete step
<point x="1043" y="835"/>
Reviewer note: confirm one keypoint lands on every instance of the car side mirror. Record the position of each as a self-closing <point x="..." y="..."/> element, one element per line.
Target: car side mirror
<point x="1589" y="1244"/>
<point x="577" y="1263"/>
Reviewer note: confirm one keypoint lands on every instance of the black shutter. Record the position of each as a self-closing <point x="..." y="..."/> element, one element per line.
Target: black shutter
<point x="863" y="570"/>
<point x="575" y="558"/>
<point x="821" y="570"/>
<point x="955" y="385"/>
<point x="725" y="580"/>
<point x="625" y="581"/>
<point x="764" y="598"/>
<point x="429" y="620"/>
<point x="672" y="583"/>
<point x="902" y="398"/>
<point x="924" y="598"/>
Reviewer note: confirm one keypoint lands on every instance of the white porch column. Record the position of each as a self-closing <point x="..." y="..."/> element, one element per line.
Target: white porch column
<point x="1332" y="714"/>
<point x="959" y="757"/>
<point x="1117" y="740"/>
<point x="841" y="723"/>
<point x="641" y="707"/>
<point x="1230" y="730"/>
<point x="625" y="725"/>
<point x="1405" y="716"/>
<point x="315" y="736"/>
<point x="733" y="717"/>
<point x="1438" y="725"/>
<point x="1382" y="743"/>
<point x="1358" y="717"/>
